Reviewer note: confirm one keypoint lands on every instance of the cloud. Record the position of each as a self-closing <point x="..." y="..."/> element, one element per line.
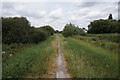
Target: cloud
<point x="23" y="9"/>
<point x="7" y="5"/>
<point x="56" y="14"/>
<point x="86" y="4"/>
<point x="95" y="14"/>
<point x="36" y="14"/>
<point x="60" y="0"/>
<point x="9" y="12"/>
<point x="111" y="9"/>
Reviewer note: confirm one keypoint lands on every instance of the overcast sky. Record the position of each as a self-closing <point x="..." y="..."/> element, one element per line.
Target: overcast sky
<point x="58" y="13"/>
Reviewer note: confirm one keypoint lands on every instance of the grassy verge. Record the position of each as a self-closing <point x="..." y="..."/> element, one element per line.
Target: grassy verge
<point x="111" y="37"/>
<point x="105" y="44"/>
<point x="13" y="49"/>
<point x="88" y="61"/>
<point x="52" y="61"/>
<point x="30" y="61"/>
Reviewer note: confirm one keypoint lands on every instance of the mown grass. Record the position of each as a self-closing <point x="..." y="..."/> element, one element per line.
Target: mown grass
<point x="31" y="62"/>
<point x="88" y="61"/>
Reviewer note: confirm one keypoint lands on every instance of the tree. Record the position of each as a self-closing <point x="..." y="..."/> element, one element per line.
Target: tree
<point x="110" y="16"/>
<point x="68" y="30"/>
<point x="104" y="26"/>
<point x="19" y="30"/>
<point x="14" y="29"/>
<point x="71" y="29"/>
<point x="57" y="31"/>
<point x="47" y="28"/>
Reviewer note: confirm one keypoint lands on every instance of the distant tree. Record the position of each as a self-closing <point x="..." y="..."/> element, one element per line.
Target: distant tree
<point x="47" y="28"/>
<point x="60" y="31"/>
<point x="68" y="30"/>
<point x="56" y="31"/>
<point x="84" y="29"/>
<point x="110" y="16"/>
<point x="71" y="29"/>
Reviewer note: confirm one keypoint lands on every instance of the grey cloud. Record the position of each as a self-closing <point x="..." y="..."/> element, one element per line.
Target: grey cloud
<point x="31" y="14"/>
<point x="7" y="5"/>
<point x="56" y="14"/>
<point x="9" y="12"/>
<point x="8" y="9"/>
<point x="86" y="4"/>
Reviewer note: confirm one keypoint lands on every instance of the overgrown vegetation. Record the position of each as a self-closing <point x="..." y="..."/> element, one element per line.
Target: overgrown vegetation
<point x="88" y="55"/>
<point x="111" y="37"/>
<point x="13" y="49"/>
<point x="57" y="31"/>
<point x="31" y="61"/>
<point x="108" y="42"/>
<point x="87" y="61"/>
<point x="19" y="30"/>
<point x="21" y="57"/>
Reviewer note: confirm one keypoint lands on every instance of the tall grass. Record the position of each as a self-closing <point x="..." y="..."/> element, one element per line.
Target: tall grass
<point x="112" y="37"/>
<point x="13" y="49"/>
<point x="107" y="45"/>
<point x="87" y="61"/>
<point x="29" y="62"/>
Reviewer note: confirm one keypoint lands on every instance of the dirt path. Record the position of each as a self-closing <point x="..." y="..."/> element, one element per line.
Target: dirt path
<point x="60" y="70"/>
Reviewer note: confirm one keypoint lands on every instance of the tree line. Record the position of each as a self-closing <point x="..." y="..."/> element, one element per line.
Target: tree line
<point x="104" y="26"/>
<point x="19" y="30"/>
<point x="100" y="26"/>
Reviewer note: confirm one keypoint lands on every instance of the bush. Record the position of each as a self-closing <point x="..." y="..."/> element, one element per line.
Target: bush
<point x="39" y="36"/>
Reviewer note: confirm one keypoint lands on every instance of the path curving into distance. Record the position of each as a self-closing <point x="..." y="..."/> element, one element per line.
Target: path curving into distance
<point x="60" y="70"/>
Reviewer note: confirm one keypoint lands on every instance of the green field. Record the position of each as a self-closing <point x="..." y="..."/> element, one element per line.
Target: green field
<point x="86" y="60"/>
